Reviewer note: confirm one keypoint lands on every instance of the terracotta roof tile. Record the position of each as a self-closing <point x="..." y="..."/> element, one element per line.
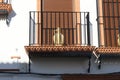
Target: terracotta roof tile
<point x="59" y="48"/>
<point x="108" y="50"/>
<point x="7" y="7"/>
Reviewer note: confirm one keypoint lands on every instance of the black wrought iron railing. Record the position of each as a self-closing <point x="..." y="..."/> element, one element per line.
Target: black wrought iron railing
<point x="73" y="26"/>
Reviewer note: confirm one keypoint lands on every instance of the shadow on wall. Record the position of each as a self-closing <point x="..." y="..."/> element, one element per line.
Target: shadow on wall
<point x="10" y="16"/>
<point x="13" y="67"/>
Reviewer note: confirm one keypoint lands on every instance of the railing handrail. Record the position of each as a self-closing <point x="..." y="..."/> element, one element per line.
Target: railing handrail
<point x="60" y="11"/>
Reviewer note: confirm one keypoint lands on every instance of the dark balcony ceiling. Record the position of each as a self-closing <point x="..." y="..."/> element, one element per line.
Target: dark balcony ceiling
<point x="73" y="51"/>
<point x="5" y="8"/>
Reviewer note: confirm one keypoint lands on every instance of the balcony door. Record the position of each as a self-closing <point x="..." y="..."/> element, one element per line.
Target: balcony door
<point x="60" y="13"/>
<point x="57" y="5"/>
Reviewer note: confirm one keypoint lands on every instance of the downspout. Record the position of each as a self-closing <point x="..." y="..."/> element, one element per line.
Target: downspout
<point x="41" y="22"/>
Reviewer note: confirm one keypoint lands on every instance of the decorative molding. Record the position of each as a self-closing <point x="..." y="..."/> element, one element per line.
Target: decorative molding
<point x="108" y="50"/>
<point x="59" y="48"/>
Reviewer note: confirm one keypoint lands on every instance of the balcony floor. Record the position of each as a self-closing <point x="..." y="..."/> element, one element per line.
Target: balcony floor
<point x="71" y="50"/>
<point x="5" y="8"/>
<point x="108" y="51"/>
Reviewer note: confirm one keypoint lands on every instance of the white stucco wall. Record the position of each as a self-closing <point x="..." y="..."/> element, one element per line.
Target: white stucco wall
<point x="90" y="6"/>
<point x="14" y="37"/>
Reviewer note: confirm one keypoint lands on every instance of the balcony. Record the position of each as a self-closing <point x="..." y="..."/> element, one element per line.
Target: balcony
<point x="109" y="26"/>
<point x="109" y="29"/>
<point x="5" y="7"/>
<point x="59" y="32"/>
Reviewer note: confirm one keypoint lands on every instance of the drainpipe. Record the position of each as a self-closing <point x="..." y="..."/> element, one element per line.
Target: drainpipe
<point x="41" y="22"/>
